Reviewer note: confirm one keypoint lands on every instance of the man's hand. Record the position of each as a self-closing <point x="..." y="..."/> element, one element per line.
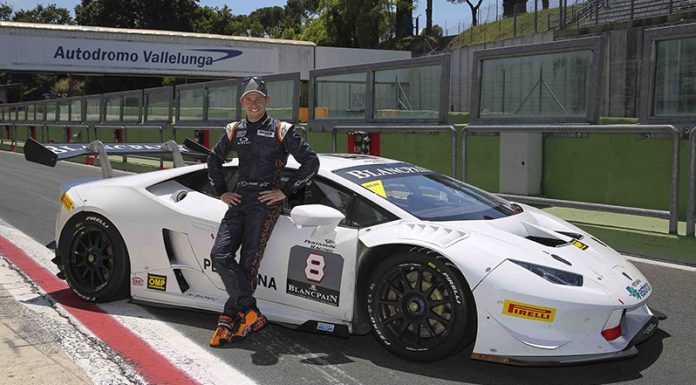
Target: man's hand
<point x="270" y="197"/>
<point x="232" y="199"/>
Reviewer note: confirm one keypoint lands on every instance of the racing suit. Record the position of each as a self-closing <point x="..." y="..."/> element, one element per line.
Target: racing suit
<point x="262" y="148"/>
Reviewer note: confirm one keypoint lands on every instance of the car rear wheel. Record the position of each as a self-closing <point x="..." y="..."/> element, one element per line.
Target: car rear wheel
<point x="94" y="259"/>
<point x="420" y="307"/>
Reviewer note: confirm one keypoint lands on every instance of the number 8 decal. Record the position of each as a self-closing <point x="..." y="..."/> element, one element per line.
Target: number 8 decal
<point x="314" y="269"/>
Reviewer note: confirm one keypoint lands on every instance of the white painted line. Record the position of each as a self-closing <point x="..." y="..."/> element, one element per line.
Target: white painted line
<point x="196" y="361"/>
<point x="660" y="263"/>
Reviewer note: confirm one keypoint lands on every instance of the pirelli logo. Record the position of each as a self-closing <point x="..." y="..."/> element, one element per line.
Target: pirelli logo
<point x="527" y="311"/>
<point x="67" y="202"/>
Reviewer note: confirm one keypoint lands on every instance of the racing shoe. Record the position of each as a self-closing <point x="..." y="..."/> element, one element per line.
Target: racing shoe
<point x="253" y="321"/>
<point x="224" y="331"/>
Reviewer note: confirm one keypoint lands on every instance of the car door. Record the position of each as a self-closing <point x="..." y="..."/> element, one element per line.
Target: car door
<point x="312" y="268"/>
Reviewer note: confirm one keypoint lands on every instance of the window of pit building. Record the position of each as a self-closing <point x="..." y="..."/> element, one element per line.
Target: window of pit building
<point x="407" y="93"/>
<point x="340" y="96"/>
<point x="132" y="108"/>
<point x="112" y="108"/>
<point x="282" y="93"/>
<point x="76" y="110"/>
<point x="51" y="109"/>
<point x="92" y="109"/>
<point x="158" y="104"/>
<point x="551" y="85"/>
<point x="63" y="111"/>
<point x="555" y="82"/>
<point x="222" y="103"/>
<point x="675" y="78"/>
<point x="191" y="104"/>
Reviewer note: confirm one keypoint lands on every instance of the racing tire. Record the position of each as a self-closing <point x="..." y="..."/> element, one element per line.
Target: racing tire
<point x="94" y="259"/>
<point x="420" y="307"/>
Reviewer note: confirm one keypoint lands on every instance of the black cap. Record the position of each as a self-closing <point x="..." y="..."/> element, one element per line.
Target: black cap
<point x="254" y="84"/>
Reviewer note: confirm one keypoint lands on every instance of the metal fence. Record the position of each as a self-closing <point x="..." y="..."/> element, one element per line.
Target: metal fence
<point x="404" y="130"/>
<point x="672" y="214"/>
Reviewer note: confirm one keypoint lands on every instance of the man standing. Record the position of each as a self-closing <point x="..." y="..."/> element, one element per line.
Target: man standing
<point x="262" y="144"/>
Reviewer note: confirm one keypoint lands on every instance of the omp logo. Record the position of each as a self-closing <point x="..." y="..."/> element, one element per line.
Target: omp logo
<point x="527" y="311"/>
<point x="157" y="282"/>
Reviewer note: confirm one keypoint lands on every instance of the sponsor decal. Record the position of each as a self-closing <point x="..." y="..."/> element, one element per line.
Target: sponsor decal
<point x="324" y="327"/>
<point x="243" y="140"/>
<point x="240" y="133"/>
<point x="98" y="220"/>
<point x="157" y="282"/>
<point x="373" y="172"/>
<point x="315" y="275"/>
<point x="650" y="328"/>
<point x="376" y="187"/>
<point x="201" y="296"/>
<point x="137" y="281"/>
<point x="113" y="148"/>
<point x="67" y="202"/>
<point x="579" y="244"/>
<point x="194" y="57"/>
<point x="268" y="134"/>
<point x="266" y="281"/>
<point x="640" y="292"/>
<point x="328" y="245"/>
<point x="527" y="311"/>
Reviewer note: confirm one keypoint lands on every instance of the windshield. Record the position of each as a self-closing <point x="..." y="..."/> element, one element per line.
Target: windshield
<point x="426" y="194"/>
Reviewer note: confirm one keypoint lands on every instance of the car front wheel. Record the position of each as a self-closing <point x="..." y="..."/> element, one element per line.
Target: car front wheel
<point x="420" y="307"/>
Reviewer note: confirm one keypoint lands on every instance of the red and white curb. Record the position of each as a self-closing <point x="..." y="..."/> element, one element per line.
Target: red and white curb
<point x="113" y="343"/>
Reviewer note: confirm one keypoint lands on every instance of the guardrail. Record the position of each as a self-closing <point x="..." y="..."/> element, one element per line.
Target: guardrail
<point x="691" y="203"/>
<point x="404" y="130"/>
<point x="672" y="214"/>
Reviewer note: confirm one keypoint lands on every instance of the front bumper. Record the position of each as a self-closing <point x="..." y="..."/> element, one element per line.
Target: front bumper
<point x="629" y="351"/>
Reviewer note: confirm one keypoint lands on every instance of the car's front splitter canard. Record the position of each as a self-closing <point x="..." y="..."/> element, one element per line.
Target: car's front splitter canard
<point x="526" y="322"/>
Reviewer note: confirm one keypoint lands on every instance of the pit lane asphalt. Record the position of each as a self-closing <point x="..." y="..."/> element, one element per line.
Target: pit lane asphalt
<point x="29" y="201"/>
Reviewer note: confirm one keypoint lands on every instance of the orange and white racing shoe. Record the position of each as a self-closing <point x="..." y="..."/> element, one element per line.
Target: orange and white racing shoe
<point x="253" y="321"/>
<point x="225" y="329"/>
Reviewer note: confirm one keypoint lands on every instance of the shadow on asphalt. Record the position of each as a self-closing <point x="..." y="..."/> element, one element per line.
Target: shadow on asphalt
<point x="268" y="346"/>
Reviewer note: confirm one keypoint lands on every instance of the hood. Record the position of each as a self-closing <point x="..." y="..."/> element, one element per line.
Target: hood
<point x="536" y="237"/>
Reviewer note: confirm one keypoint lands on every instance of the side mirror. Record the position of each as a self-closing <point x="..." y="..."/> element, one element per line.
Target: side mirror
<point x="316" y="215"/>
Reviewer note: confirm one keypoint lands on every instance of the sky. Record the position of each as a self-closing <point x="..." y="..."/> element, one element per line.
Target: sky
<point x="454" y="16"/>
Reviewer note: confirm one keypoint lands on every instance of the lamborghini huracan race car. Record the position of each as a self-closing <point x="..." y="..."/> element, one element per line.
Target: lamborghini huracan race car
<point x="427" y="263"/>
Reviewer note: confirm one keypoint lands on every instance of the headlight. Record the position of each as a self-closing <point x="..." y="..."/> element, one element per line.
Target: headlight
<point x="552" y="275"/>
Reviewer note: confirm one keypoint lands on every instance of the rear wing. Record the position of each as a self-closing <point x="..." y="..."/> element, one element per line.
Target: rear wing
<point x="50" y="154"/>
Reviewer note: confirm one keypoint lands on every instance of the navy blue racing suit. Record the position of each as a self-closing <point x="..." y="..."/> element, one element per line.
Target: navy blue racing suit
<point x="262" y="148"/>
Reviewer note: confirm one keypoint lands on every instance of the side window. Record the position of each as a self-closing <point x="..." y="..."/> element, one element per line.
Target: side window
<point x="365" y="214"/>
<point x="199" y="180"/>
<point x="321" y="193"/>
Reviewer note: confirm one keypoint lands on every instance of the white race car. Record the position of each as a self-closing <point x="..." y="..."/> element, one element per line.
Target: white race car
<point x="427" y="263"/>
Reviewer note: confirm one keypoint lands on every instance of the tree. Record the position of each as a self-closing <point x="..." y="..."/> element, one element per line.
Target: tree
<point x="350" y="23"/>
<point x="429" y="17"/>
<point x="271" y="20"/>
<point x="46" y="15"/>
<point x="5" y="12"/>
<point x="474" y="8"/>
<point x="174" y="15"/>
<point x="404" y="18"/>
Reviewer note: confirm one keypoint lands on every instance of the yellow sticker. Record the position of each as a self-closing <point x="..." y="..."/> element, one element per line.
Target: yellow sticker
<point x="527" y="311"/>
<point x="376" y="187"/>
<point x="157" y="282"/>
<point x="67" y="202"/>
<point x="579" y="244"/>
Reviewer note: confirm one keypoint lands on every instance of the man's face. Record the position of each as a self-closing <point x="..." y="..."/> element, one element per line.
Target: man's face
<point x="254" y="105"/>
